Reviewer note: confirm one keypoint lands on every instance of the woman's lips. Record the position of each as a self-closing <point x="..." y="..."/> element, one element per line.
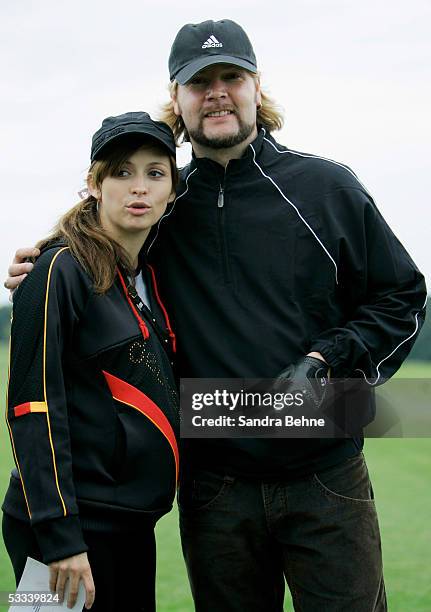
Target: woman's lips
<point x="138" y="209"/>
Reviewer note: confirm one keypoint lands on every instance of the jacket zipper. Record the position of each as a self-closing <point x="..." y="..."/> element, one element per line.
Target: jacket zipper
<point x="141" y="323"/>
<point x="220" y="201"/>
<point x="222" y="233"/>
<point x="150" y="315"/>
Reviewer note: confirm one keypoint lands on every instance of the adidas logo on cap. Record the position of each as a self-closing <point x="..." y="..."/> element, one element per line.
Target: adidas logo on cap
<point x="211" y="42"/>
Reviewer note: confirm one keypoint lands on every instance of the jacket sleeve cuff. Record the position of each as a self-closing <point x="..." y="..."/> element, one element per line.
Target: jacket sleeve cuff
<point x="60" y="538"/>
<point x="332" y="357"/>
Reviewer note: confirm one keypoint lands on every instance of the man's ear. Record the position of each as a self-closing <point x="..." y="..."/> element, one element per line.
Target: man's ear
<point x="92" y="189"/>
<point x="258" y="93"/>
<point x="175" y="105"/>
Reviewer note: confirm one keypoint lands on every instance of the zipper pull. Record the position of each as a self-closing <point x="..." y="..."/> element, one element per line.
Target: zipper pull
<point x="173" y="341"/>
<point x="132" y="291"/>
<point x="144" y="330"/>
<point x="220" y="201"/>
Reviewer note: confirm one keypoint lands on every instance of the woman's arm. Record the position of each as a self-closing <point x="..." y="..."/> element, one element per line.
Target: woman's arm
<point x="47" y="307"/>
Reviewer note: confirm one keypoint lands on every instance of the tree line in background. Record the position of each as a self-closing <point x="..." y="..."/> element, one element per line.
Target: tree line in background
<point x="421" y="350"/>
<point x="5" y="312"/>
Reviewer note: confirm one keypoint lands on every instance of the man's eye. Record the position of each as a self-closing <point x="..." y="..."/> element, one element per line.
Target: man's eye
<point x="231" y="76"/>
<point x="197" y="81"/>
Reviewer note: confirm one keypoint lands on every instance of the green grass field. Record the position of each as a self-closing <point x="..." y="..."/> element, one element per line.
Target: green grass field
<point x="401" y="474"/>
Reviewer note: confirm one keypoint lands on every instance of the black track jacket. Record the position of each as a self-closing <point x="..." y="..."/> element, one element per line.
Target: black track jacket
<point x="92" y="407"/>
<point x="280" y="254"/>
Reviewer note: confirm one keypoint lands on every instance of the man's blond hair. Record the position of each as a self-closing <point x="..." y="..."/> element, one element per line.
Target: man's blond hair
<point x="269" y="114"/>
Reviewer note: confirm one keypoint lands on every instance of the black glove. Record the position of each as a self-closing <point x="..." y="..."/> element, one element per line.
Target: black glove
<point x="309" y="377"/>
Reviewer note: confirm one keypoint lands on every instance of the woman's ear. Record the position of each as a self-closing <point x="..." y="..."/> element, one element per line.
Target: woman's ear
<point x="92" y="189"/>
<point x="172" y="196"/>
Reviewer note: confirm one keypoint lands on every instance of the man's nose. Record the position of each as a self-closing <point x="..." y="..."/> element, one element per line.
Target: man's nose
<point x="216" y="89"/>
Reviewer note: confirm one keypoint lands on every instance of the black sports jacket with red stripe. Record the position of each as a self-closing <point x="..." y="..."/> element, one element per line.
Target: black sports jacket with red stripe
<point x="92" y="406"/>
<point x="277" y="255"/>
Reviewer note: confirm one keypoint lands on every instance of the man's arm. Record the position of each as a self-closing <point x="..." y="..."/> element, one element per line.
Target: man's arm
<point x="383" y="323"/>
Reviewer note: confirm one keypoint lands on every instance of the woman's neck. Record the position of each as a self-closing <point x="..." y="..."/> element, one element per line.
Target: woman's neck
<point x="131" y="243"/>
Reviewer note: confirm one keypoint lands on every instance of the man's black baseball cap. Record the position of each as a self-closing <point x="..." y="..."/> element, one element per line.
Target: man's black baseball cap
<point x="198" y="45"/>
<point x="130" y="124"/>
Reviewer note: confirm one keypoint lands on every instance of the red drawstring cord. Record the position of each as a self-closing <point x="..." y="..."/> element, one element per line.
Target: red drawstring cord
<point x="141" y="322"/>
<point x="168" y="324"/>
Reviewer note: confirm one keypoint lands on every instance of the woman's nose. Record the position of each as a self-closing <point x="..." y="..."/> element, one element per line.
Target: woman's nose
<point x="139" y="186"/>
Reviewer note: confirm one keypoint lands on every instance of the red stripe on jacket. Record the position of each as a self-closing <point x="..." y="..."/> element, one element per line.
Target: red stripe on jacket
<point x="130" y="395"/>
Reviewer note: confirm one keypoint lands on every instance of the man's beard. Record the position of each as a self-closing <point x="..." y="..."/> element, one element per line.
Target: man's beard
<point x="222" y="142"/>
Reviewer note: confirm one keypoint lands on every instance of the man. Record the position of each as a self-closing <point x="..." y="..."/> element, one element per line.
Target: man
<point x="269" y="258"/>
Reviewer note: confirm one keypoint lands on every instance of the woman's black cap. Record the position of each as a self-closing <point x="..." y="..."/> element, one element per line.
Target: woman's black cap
<point x="128" y="124"/>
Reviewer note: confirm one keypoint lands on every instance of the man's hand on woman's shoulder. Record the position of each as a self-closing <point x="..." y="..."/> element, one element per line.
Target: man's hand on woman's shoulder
<point x="20" y="267"/>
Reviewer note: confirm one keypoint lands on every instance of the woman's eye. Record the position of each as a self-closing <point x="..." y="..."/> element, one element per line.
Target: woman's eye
<point x="156" y="173"/>
<point x="123" y="172"/>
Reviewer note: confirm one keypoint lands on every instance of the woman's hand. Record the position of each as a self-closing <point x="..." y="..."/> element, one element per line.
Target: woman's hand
<point x="74" y="569"/>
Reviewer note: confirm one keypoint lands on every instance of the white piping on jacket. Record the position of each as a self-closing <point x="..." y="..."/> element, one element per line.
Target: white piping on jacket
<point x="332" y="161"/>
<point x="172" y="209"/>
<point x="297" y="212"/>
<point x="395" y="349"/>
<point x="366" y="191"/>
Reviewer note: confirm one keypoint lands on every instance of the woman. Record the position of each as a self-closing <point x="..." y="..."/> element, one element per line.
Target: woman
<point x="92" y="404"/>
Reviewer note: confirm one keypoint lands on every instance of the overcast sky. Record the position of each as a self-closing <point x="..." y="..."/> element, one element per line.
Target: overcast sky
<point x="353" y="77"/>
